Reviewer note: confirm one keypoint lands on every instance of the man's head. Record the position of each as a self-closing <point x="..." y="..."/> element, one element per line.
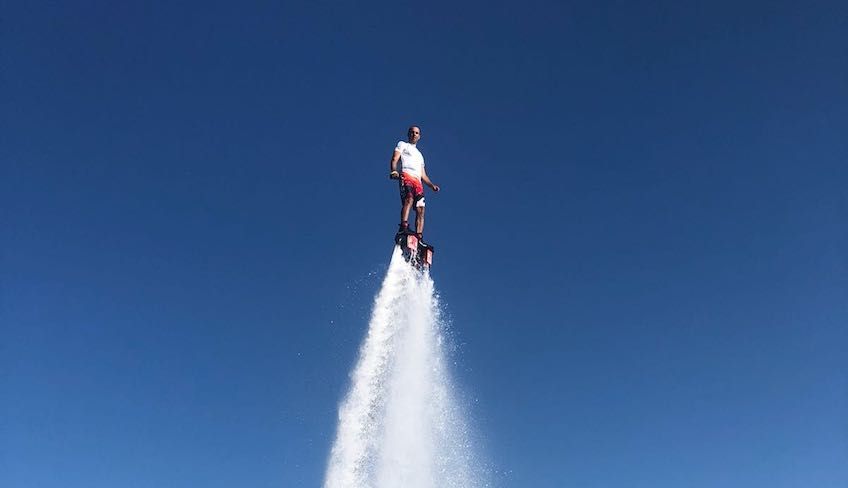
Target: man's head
<point x="413" y="134"/>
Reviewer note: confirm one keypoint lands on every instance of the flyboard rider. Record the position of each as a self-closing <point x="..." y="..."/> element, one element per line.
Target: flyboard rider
<point x="410" y="174"/>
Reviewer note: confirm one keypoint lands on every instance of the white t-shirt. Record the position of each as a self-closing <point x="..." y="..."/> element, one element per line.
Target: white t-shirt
<point x="411" y="159"/>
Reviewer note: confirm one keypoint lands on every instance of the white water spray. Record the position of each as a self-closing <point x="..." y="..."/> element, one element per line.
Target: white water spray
<point x="400" y="425"/>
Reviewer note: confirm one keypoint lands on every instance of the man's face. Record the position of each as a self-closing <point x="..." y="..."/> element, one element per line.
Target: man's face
<point x="414" y="134"/>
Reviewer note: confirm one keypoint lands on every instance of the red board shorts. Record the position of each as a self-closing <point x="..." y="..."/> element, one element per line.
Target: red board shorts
<point x="411" y="187"/>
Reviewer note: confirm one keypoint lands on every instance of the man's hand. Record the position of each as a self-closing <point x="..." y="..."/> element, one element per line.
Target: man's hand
<point x="394" y="175"/>
<point x="435" y="188"/>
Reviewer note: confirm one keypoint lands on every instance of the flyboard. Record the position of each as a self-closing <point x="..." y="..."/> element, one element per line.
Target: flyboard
<point x="416" y="252"/>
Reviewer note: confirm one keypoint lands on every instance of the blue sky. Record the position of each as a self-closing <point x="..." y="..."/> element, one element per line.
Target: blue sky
<point x="641" y="238"/>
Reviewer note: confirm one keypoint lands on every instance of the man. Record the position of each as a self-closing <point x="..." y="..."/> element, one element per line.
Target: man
<point x="411" y="174"/>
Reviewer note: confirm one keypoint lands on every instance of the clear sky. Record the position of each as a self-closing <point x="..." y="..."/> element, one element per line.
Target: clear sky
<point x="640" y="240"/>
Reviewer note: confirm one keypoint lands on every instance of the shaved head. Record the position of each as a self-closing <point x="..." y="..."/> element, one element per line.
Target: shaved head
<point x="413" y="134"/>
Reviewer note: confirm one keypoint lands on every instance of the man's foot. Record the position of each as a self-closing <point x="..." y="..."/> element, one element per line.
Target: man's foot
<point x="404" y="229"/>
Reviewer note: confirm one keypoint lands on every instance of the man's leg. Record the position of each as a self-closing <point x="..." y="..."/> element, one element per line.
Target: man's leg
<point x="404" y="210"/>
<point x="419" y="220"/>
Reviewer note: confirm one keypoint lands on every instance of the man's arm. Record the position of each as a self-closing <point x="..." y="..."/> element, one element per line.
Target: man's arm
<point x="426" y="180"/>
<point x="393" y="165"/>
